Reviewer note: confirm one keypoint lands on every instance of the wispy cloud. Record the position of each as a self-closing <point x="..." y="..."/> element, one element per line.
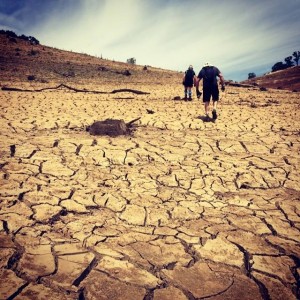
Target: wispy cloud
<point x="238" y="36"/>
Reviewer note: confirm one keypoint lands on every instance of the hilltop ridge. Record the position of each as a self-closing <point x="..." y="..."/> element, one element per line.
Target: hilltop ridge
<point x="20" y="59"/>
<point x="288" y="79"/>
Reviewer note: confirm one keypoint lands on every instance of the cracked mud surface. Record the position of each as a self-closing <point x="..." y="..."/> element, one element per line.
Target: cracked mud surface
<point x="181" y="209"/>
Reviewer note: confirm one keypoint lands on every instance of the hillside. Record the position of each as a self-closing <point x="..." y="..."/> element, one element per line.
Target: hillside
<point x="19" y="59"/>
<point x="288" y="79"/>
<point x="47" y="65"/>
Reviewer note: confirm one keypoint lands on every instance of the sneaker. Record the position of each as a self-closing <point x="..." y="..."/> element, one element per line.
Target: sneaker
<point x="190" y="98"/>
<point x="214" y="114"/>
<point x="198" y="94"/>
<point x="206" y="118"/>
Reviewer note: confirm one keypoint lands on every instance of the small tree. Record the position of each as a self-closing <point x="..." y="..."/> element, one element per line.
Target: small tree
<point x="33" y="40"/>
<point x="289" y="61"/>
<point x="279" y="66"/>
<point x="251" y="75"/>
<point x="131" y="60"/>
<point x="296" y="55"/>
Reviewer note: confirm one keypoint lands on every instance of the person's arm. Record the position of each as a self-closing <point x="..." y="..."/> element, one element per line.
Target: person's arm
<point x="199" y="77"/>
<point x="195" y="81"/>
<point x="222" y="81"/>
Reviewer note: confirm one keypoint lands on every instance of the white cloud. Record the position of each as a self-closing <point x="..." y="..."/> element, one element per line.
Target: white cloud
<point x="235" y="35"/>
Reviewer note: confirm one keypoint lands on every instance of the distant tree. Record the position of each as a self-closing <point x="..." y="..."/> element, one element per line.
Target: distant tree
<point x="289" y="61"/>
<point x="279" y="66"/>
<point x="33" y="40"/>
<point x="131" y="60"/>
<point x="251" y="75"/>
<point x="23" y="37"/>
<point x="9" y="33"/>
<point x="296" y="55"/>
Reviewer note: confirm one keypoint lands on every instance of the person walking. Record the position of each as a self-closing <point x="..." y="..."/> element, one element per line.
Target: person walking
<point x="189" y="79"/>
<point x="209" y="74"/>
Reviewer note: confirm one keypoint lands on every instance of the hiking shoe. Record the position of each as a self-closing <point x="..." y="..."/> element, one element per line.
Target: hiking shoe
<point x="206" y="118"/>
<point x="214" y="114"/>
<point x="198" y="94"/>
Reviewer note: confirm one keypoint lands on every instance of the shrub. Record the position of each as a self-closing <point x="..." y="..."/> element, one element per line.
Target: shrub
<point x="131" y="60"/>
<point x="33" y="52"/>
<point x="126" y="73"/>
<point x="251" y="75"/>
<point x="13" y="40"/>
<point x="31" y="77"/>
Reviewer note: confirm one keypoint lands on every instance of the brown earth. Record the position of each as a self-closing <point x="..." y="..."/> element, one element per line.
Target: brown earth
<point x="177" y="209"/>
<point x="288" y="79"/>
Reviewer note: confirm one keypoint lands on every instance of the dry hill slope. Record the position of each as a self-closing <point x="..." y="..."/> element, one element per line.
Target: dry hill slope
<point x="19" y="59"/>
<point x="288" y="79"/>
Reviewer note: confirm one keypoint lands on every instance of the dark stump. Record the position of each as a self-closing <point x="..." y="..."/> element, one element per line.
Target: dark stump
<point x="109" y="127"/>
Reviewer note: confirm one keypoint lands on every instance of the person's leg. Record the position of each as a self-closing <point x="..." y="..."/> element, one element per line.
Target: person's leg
<point x="215" y="105"/>
<point x="190" y="93"/>
<point x="215" y="97"/>
<point x="206" y="108"/>
<point x="206" y="100"/>
<point x="185" y="93"/>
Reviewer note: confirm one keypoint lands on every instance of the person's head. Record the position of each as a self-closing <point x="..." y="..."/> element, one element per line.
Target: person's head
<point x="190" y="67"/>
<point x="207" y="64"/>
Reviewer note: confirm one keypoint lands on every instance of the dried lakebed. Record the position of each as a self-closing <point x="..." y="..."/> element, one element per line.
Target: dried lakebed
<point x="178" y="209"/>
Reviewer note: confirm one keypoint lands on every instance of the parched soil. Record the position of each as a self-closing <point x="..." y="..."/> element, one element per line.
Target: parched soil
<point x="178" y="209"/>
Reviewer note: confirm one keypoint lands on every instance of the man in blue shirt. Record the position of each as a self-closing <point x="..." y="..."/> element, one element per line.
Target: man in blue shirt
<point x="209" y="75"/>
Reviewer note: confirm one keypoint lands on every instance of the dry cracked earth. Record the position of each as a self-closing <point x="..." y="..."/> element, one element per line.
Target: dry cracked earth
<point x="178" y="209"/>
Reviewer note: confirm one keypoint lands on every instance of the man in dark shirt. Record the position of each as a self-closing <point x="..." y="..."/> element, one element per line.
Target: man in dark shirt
<point x="209" y="75"/>
<point x="188" y="81"/>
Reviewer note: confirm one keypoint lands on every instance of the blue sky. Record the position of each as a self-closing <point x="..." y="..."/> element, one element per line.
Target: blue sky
<point x="238" y="36"/>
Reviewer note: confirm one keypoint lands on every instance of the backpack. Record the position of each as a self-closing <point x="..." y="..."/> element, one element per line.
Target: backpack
<point x="189" y="74"/>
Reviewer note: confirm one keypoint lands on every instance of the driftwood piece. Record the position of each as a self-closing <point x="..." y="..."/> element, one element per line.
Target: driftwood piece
<point x="129" y="124"/>
<point x="130" y="91"/>
<point x="6" y="88"/>
<point x="240" y="85"/>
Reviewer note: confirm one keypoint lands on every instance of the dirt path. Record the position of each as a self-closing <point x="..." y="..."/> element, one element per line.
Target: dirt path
<point x="180" y="209"/>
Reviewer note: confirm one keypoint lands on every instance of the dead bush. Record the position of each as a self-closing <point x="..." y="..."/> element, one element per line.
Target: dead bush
<point x="31" y="77"/>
